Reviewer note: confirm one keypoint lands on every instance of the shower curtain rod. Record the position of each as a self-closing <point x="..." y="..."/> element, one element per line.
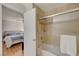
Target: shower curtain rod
<point x="65" y="12"/>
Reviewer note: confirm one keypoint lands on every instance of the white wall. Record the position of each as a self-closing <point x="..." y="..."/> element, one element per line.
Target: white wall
<point x="15" y="6"/>
<point x="20" y="7"/>
<point x="12" y="20"/>
<point x="28" y="6"/>
<point x="13" y="25"/>
<point x="0" y="29"/>
<point x="11" y="14"/>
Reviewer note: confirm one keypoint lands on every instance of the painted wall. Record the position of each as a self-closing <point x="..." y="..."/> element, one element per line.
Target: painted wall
<point x="12" y="20"/>
<point x="9" y="14"/>
<point x="14" y="13"/>
<point x="0" y="30"/>
<point x="28" y="6"/>
<point x="15" y="6"/>
<point x="12" y="25"/>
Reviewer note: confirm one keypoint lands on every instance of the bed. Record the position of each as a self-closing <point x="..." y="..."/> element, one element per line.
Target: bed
<point x="11" y="38"/>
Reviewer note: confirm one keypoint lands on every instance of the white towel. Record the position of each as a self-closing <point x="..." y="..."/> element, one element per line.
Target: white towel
<point x="68" y="44"/>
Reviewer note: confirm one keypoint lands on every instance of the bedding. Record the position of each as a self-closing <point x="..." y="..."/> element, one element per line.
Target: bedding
<point x="12" y="38"/>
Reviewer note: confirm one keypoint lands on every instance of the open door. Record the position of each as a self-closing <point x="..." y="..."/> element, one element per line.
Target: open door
<point x="30" y="33"/>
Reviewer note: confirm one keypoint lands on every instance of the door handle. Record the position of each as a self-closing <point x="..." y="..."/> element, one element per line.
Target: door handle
<point x="34" y="39"/>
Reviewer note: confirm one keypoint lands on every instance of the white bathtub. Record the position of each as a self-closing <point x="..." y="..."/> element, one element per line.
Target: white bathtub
<point x="51" y="50"/>
<point x="46" y="53"/>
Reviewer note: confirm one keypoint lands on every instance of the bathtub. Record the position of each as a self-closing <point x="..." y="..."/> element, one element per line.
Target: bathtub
<point x="46" y="53"/>
<point x="50" y="50"/>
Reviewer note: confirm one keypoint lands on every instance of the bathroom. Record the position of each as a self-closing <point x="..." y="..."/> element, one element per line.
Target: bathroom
<point x="59" y="30"/>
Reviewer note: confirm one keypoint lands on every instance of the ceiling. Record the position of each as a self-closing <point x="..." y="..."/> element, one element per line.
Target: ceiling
<point x="47" y="7"/>
<point x="53" y="8"/>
